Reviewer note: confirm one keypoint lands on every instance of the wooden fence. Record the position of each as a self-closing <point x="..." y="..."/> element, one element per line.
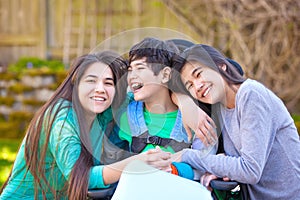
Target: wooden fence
<point x="22" y="29"/>
<point x="63" y="29"/>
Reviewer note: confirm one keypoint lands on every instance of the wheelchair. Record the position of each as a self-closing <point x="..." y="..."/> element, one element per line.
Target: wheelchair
<point x="222" y="190"/>
<point x="102" y="194"/>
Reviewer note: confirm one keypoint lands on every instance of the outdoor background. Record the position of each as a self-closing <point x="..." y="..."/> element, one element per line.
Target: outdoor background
<point x="39" y="38"/>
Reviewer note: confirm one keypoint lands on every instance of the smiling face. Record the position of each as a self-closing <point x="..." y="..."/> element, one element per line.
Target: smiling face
<point x="96" y="88"/>
<point x="142" y="81"/>
<point x="203" y="83"/>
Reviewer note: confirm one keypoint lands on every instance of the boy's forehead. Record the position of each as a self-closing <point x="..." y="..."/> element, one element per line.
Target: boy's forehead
<point x="140" y="61"/>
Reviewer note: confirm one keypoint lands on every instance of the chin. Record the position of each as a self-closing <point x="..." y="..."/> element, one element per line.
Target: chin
<point x="100" y="109"/>
<point x="138" y="98"/>
<point x="205" y="101"/>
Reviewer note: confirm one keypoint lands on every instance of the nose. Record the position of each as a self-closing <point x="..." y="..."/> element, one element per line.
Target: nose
<point x="100" y="87"/>
<point x="131" y="75"/>
<point x="198" y="85"/>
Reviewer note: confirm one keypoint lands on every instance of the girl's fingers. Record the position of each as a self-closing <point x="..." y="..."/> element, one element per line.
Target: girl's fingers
<point x="209" y="133"/>
<point x="211" y="130"/>
<point x="202" y="137"/>
<point x="188" y="132"/>
<point x="206" y="178"/>
<point x="211" y="122"/>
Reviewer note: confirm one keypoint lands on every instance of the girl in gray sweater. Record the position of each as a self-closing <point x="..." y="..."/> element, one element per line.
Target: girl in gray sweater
<point x="261" y="142"/>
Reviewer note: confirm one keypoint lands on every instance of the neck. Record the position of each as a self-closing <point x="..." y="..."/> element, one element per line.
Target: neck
<point x="160" y="103"/>
<point x="230" y="95"/>
<point x="89" y="118"/>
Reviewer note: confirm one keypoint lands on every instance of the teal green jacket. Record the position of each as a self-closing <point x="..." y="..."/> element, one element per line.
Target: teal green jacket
<point x="62" y="153"/>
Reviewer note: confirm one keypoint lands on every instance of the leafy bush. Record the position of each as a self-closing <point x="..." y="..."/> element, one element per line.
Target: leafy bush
<point x="9" y="101"/>
<point x="26" y="63"/>
<point x="11" y="130"/>
<point x="20" y="116"/>
<point x="8" y="152"/>
<point x="297" y="122"/>
<point x="19" y="88"/>
<point x="296" y="118"/>
<point x="8" y="76"/>
<point x="2" y="117"/>
<point x="33" y="102"/>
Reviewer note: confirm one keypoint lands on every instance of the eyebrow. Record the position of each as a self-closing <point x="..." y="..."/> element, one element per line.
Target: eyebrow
<point x="139" y="63"/>
<point x="94" y="76"/>
<point x="108" y="78"/>
<point x="90" y="76"/>
<point x="195" y="70"/>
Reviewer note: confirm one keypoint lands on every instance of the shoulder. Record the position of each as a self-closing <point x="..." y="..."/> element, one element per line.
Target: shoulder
<point x="252" y="85"/>
<point x="61" y="107"/>
<point x="63" y="114"/>
<point x="252" y="89"/>
<point x="254" y="96"/>
<point x="65" y="126"/>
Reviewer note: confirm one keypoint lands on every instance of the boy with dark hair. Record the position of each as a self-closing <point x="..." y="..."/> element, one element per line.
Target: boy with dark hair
<point x="152" y="119"/>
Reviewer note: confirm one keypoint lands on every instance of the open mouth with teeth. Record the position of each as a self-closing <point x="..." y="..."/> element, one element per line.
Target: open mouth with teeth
<point x="136" y="86"/>
<point x="206" y="92"/>
<point x="99" y="98"/>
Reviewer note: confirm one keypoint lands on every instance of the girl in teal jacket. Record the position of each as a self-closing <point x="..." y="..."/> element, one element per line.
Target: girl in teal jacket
<point x="59" y="157"/>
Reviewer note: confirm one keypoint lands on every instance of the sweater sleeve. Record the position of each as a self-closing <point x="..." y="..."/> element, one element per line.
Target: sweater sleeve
<point x="96" y="178"/>
<point x="65" y="147"/>
<point x="253" y="141"/>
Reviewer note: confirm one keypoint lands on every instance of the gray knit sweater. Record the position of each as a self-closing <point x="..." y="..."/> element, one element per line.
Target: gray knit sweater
<point x="261" y="143"/>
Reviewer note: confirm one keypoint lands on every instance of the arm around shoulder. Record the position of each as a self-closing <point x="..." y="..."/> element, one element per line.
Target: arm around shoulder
<point x="195" y="118"/>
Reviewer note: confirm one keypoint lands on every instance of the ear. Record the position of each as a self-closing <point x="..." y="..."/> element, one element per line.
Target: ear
<point x="166" y="74"/>
<point x="223" y="67"/>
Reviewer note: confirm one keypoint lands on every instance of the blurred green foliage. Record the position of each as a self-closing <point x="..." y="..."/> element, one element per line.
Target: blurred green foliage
<point x="13" y="122"/>
<point x="33" y="102"/>
<point x="19" y="88"/>
<point x="8" y="151"/>
<point x="297" y="122"/>
<point x="9" y="101"/>
<point x="26" y="63"/>
<point x="8" y="76"/>
<point x="296" y="118"/>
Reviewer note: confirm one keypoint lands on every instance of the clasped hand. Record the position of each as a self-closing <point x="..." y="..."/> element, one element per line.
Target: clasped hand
<point x="158" y="158"/>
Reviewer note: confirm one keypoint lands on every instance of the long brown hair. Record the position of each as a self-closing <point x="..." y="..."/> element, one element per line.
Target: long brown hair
<point x="35" y="152"/>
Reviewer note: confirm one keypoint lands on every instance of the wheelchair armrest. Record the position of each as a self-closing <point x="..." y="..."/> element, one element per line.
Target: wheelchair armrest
<point x="219" y="184"/>
<point x="102" y="193"/>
